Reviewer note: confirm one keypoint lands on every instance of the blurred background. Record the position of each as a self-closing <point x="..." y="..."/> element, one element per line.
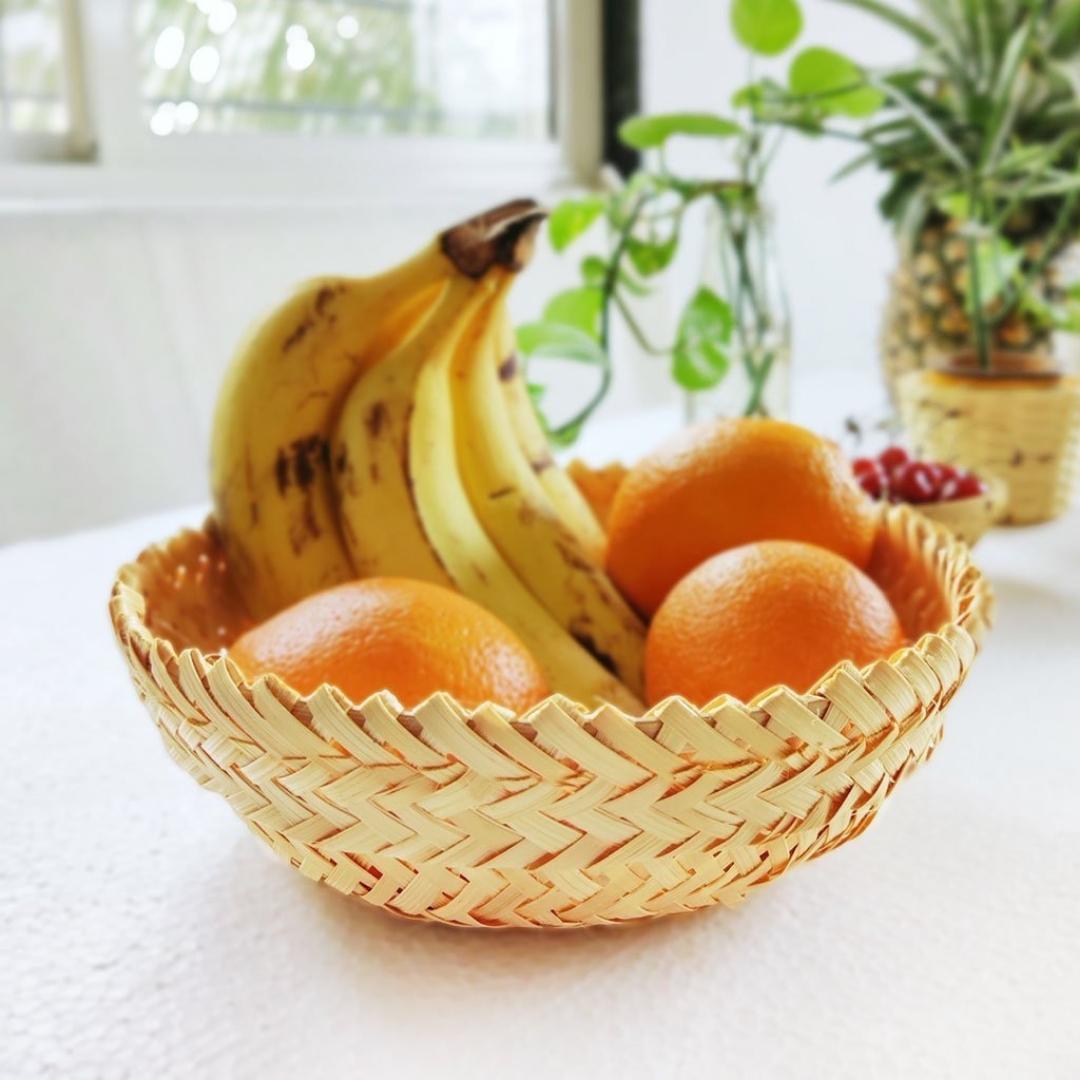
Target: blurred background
<point x="171" y="168"/>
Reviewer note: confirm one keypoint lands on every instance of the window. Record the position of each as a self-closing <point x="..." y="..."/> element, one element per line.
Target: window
<point x="496" y="93"/>
<point x="41" y="114"/>
<point x="463" y="68"/>
<point x="31" y="68"/>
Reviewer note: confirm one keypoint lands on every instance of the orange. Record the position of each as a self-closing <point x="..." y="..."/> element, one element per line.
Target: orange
<point x="597" y="485"/>
<point x="729" y="482"/>
<point x="762" y="614"/>
<point x="408" y="637"/>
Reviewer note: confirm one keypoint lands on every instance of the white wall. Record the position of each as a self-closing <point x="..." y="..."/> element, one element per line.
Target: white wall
<point x="118" y="324"/>
<point x="119" y="314"/>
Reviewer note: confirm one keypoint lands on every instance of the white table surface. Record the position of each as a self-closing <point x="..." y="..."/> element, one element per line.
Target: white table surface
<point x="145" y="933"/>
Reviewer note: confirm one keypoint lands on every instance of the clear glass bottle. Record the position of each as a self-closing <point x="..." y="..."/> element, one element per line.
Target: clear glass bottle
<point x="740" y="265"/>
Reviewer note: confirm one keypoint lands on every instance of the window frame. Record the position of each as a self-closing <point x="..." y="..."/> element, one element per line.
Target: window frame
<point x="110" y="155"/>
<point x="76" y="142"/>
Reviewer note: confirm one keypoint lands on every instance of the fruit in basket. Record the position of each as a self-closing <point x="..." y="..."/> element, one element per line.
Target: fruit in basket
<point x="271" y="481"/>
<point x="892" y="475"/>
<point x="510" y="503"/>
<point x="764" y="613"/>
<point x="568" y="500"/>
<point x="401" y="447"/>
<point x="725" y="483"/>
<point x="599" y="486"/>
<point x="442" y="464"/>
<point x="409" y="637"/>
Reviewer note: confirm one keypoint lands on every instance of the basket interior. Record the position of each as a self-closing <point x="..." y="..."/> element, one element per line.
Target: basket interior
<point x="191" y="603"/>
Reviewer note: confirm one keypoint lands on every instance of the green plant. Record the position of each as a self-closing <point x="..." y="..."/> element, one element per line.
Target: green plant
<point x="644" y="218"/>
<point x="981" y="129"/>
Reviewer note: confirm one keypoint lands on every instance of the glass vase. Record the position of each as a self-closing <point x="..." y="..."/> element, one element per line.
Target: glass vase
<point x="740" y="265"/>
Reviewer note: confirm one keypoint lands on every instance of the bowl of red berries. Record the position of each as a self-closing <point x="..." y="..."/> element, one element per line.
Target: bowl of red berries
<point x="968" y="505"/>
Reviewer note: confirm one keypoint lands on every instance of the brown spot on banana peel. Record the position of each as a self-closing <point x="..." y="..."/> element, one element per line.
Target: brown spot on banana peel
<point x="310" y="523"/>
<point x="307" y="454"/>
<point x="508" y="368"/>
<point x="586" y="641"/>
<point x="501" y="236"/>
<point x="301" y="462"/>
<point x="325" y="295"/>
<point x="500" y="493"/>
<point x="281" y="471"/>
<point x="298" y="334"/>
<point x="542" y="463"/>
<point x="574" y="559"/>
<point x="376" y="419"/>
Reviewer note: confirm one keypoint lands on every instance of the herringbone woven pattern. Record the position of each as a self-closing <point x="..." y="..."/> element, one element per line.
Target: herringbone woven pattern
<point x="557" y="818"/>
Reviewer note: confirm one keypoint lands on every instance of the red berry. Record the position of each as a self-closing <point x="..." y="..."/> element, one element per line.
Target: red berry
<point x="963" y="486"/>
<point x="915" y="482"/>
<point x="893" y="456"/>
<point x="946" y="472"/>
<point x="872" y="480"/>
<point x="864" y="464"/>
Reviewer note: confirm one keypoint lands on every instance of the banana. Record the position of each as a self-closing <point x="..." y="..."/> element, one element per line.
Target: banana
<point x="379" y="522"/>
<point x="464" y="548"/>
<point x="273" y="493"/>
<point x="571" y="506"/>
<point x="516" y="512"/>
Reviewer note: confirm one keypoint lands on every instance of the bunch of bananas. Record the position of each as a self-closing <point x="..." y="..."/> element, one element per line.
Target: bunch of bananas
<point x="381" y="426"/>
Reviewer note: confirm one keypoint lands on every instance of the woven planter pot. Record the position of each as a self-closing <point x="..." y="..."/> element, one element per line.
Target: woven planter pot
<point x="1026" y="434"/>
<point x="559" y="817"/>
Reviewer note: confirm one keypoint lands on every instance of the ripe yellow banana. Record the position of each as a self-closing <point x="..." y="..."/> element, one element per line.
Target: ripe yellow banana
<point x="369" y="449"/>
<point x="464" y="548"/>
<point x="572" y="507"/>
<point x="270" y="458"/>
<point x="516" y="512"/>
<point x="274" y="497"/>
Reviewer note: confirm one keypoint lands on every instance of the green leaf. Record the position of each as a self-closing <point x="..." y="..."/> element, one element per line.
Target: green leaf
<point x="766" y="27"/>
<point x="571" y="218"/>
<point x="647" y="132"/>
<point x="925" y="123"/>
<point x="955" y="205"/>
<point x="558" y="341"/>
<point x="1005" y="95"/>
<point x="698" y="367"/>
<point x="593" y="270"/>
<point x="637" y="192"/>
<point x="579" y="308"/>
<point x="698" y="361"/>
<point x="997" y="262"/>
<point x="651" y="257"/>
<point x="1065" y="31"/>
<point x="835" y="81"/>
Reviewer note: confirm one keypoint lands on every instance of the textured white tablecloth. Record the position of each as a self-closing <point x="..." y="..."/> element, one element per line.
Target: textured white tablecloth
<point x="145" y="933"/>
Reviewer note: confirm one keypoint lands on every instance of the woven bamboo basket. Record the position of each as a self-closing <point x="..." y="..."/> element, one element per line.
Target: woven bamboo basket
<point x="970" y="519"/>
<point x="560" y="817"/>
<point x="1027" y="436"/>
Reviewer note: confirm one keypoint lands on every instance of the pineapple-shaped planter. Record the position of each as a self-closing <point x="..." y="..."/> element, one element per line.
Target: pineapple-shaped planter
<point x="926" y="320"/>
<point x="1018" y="423"/>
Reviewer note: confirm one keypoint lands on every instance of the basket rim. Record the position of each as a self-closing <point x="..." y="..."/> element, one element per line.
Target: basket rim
<point x="803" y="712"/>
